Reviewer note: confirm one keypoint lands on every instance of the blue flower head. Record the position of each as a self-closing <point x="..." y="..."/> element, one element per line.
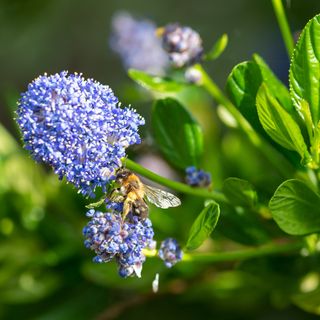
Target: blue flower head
<point x="197" y="177"/>
<point x="137" y="44"/>
<point x="112" y="238"/>
<point x="183" y="45"/>
<point x="170" y="252"/>
<point x="77" y="126"/>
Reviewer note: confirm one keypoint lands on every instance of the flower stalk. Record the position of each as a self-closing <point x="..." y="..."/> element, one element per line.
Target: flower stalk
<point x="283" y="25"/>
<point x="237" y="255"/>
<point x="174" y="185"/>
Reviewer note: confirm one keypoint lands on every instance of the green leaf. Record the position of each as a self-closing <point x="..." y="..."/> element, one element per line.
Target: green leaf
<point x="99" y="203"/>
<point x="278" y="89"/>
<point x="239" y="192"/>
<point x="178" y="135"/>
<point x="203" y="225"/>
<point x="278" y="123"/>
<point x="305" y="69"/>
<point x="296" y="208"/>
<point x="218" y="48"/>
<point x="243" y="84"/>
<point x="154" y="82"/>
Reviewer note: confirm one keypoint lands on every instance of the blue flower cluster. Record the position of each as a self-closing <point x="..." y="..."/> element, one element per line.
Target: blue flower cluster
<point x="111" y="237"/>
<point x="197" y="177"/>
<point x="170" y="252"/>
<point x="137" y="44"/>
<point x="183" y="45"/>
<point x="76" y="126"/>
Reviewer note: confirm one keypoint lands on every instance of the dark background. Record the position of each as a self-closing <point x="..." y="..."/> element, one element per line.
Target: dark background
<point x="39" y="36"/>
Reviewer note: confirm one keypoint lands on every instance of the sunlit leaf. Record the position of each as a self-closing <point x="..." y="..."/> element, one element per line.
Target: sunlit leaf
<point x="278" y="123"/>
<point x="218" y="48"/>
<point x="239" y="192"/>
<point x="155" y="83"/>
<point x="305" y="69"/>
<point x="295" y="208"/>
<point x="177" y="133"/>
<point x="203" y="225"/>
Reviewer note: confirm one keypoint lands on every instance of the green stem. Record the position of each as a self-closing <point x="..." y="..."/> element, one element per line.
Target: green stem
<point x="243" y="254"/>
<point x="219" y="96"/>
<point x="284" y="26"/>
<point x="279" y="162"/>
<point x="174" y="185"/>
<point x="238" y="255"/>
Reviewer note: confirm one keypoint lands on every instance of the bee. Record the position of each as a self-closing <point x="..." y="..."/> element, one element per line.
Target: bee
<point x="133" y="193"/>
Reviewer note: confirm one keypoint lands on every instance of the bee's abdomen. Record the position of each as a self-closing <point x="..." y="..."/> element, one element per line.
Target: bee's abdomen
<point x="140" y="208"/>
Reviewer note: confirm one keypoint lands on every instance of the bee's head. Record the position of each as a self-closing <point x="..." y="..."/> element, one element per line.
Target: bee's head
<point x="122" y="175"/>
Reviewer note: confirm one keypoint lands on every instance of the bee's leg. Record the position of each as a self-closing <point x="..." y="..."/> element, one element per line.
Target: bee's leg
<point x="116" y="196"/>
<point x="126" y="208"/>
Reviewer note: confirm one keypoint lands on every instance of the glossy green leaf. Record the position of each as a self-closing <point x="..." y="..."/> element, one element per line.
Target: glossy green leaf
<point x="278" y="89"/>
<point x="278" y="123"/>
<point x="177" y="133"/>
<point x="239" y="192"/>
<point x="305" y="69"/>
<point x="155" y="83"/>
<point x="242" y="86"/>
<point x="296" y="208"/>
<point x="244" y="82"/>
<point x="203" y="225"/>
<point x="218" y="48"/>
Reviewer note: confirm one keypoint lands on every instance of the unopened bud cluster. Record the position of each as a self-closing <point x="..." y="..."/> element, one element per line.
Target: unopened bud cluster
<point x="170" y="252"/>
<point x="197" y="177"/>
<point x="183" y="45"/>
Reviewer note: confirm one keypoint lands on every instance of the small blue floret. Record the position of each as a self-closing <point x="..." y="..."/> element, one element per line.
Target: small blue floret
<point x="170" y="252"/>
<point x="197" y="177"/>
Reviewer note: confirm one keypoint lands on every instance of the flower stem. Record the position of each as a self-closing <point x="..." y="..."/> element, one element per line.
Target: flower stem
<point x="244" y="254"/>
<point x="279" y="162"/>
<point x="284" y="26"/>
<point x="271" y="249"/>
<point x="174" y="185"/>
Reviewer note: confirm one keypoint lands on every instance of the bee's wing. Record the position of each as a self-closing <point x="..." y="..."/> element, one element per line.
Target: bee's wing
<point x="160" y="198"/>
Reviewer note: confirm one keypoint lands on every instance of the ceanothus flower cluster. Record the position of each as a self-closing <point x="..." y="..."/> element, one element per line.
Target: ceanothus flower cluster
<point x="77" y="126"/>
<point x="112" y="238"/>
<point x="170" y="252"/>
<point x="197" y="177"/>
<point x="137" y="44"/>
<point x="183" y="45"/>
